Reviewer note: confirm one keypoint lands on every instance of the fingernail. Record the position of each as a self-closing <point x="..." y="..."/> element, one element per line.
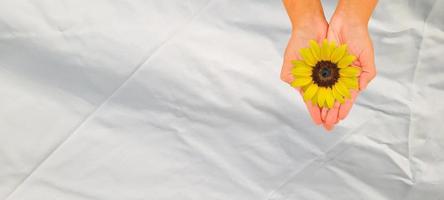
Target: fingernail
<point x="328" y="127"/>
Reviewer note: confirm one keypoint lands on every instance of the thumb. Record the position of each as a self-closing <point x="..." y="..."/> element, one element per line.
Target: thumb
<point x="286" y="71"/>
<point x="289" y="55"/>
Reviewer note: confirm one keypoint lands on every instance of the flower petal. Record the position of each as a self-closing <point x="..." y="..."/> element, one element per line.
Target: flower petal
<point x="307" y="56"/>
<point x="350" y="82"/>
<point x="342" y="89"/>
<point x="346" y="61"/>
<point x="301" y="81"/>
<point x="314" y="99"/>
<point x="302" y="71"/>
<point x="350" y="71"/>
<point x="315" y="50"/>
<point x="337" y="96"/>
<point x="305" y="87"/>
<point x="310" y="92"/>
<point x="332" y="46"/>
<point x="321" y="96"/>
<point x="338" y="53"/>
<point x="329" y="99"/>
<point x="325" y="50"/>
<point x="299" y="63"/>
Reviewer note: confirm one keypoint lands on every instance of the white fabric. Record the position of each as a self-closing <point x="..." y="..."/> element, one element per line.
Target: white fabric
<point x="181" y="99"/>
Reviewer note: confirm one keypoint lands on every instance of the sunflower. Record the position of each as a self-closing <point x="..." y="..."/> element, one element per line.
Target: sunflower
<point x="325" y="74"/>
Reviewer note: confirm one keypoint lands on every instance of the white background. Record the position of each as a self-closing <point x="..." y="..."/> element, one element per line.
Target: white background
<point x="181" y="99"/>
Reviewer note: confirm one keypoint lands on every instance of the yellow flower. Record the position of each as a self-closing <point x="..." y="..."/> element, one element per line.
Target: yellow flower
<point x="325" y="73"/>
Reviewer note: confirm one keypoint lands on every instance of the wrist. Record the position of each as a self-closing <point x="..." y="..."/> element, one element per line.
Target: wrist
<point x="305" y="13"/>
<point x="348" y="18"/>
<point x="353" y="12"/>
<point x="310" y="23"/>
<point x="343" y="20"/>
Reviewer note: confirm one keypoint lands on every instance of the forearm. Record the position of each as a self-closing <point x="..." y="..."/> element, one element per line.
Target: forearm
<point x="304" y="12"/>
<point x="355" y="11"/>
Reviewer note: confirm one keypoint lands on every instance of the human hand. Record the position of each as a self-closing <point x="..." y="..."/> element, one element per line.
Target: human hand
<point x="306" y="25"/>
<point x="352" y="31"/>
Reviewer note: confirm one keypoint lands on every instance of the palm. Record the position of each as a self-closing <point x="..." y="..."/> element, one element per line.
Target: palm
<point x="357" y="40"/>
<point x="360" y="45"/>
<point x="298" y="40"/>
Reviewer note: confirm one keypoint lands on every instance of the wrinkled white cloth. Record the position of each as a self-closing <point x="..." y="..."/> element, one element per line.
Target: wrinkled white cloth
<point x="181" y="99"/>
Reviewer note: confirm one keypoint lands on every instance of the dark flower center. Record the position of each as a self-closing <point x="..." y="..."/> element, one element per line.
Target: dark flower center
<point x="325" y="73"/>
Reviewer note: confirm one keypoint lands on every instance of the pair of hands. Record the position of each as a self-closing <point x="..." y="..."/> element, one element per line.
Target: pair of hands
<point x="344" y="28"/>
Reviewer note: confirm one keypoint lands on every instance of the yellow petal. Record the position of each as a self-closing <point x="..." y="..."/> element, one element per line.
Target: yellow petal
<point x="338" y="53"/>
<point x="346" y="61"/>
<point x="301" y="81"/>
<point x="337" y="96"/>
<point x="314" y="99"/>
<point x="329" y="99"/>
<point x="315" y="50"/>
<point x="297" y="62"/>
<point x="300" y="63"/>
<point x="350" y="71"/>
<point x="350" y="82"/>
<point x="310" y="92"/>
<point x="305" y="87"/>
<point x="342" y="89"/>
<point x="302" y="71"/>
<point x="321" y="96"/>
<point x="332" y="46"/>
<point x="307" y="56"/>
<point x="325" y="50"/>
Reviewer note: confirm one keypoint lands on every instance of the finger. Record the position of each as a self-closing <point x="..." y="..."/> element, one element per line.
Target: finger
<point x="367" y="61"/>
<point x="364" y="79"/>
<point x="328" y="127"/>
<point x="286" y="71"/>
<point x="315" y="112"/>
<point x="345" y="108"/>
<point x="289" y="55"/>
<point x="324" y="112"/>
<point x="332" y="116"/>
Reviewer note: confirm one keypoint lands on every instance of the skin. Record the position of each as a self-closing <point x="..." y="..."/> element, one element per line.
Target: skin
<point x="308" y="22"/>
<point x="349" y="25"/>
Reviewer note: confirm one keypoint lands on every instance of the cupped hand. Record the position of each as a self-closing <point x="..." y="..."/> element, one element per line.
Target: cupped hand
<point x="312" y="28"/>
<point x="355" y="34"/>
